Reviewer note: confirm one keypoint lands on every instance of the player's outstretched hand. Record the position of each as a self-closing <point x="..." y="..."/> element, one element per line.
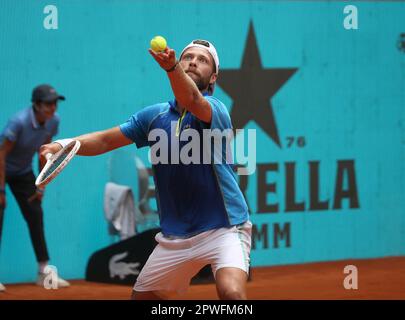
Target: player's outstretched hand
<point x="166" y="58"/>
<point x="48" y="148"/>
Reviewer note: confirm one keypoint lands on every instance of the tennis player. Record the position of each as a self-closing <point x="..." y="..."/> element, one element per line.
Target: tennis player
<point x="203" y="215"/>
<point x="19" y="141"/>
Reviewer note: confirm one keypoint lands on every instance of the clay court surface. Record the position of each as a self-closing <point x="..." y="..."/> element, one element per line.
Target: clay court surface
<point x="377" y="279"/>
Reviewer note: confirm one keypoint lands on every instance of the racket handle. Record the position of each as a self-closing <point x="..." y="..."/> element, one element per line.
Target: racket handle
<point x="48" y="156"/>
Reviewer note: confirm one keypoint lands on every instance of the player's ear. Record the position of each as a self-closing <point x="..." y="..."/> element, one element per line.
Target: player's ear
<point x="213" y="78"/>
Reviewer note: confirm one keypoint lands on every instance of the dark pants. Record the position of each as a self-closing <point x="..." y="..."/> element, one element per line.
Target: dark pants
<point x="22" y="188"/>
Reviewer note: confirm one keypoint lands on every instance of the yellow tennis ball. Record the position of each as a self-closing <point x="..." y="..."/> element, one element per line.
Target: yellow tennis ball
<point x="158" y="44"/>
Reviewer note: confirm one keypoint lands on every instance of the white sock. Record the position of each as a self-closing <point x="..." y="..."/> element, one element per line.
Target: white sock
<point x="42" y="266"/>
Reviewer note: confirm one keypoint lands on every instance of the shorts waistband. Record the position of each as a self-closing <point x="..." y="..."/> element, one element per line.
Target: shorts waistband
<point x="174" y="237"/>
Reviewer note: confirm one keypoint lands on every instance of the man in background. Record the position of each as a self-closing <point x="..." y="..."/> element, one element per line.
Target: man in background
<point x="22" y="137"/>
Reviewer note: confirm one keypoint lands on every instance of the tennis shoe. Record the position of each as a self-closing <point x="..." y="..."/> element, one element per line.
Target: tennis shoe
<point x="42" y="281"/>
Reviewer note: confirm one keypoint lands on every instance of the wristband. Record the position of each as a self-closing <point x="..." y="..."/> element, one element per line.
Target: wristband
<point x="40" y="190"/>
<point x="173" y="68"/>
<point x="63" y="142"/>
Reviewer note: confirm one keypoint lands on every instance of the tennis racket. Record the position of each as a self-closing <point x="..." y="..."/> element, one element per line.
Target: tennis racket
<point x="56" y="163"/>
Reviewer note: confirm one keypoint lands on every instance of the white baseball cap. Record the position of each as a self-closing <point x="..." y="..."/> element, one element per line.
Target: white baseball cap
<point x="205" y="45"/>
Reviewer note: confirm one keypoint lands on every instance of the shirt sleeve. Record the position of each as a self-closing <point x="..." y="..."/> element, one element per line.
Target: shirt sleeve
<point x="12" y="130"/>
<point x="220" y="116"/>
<point x="137" y="126"/>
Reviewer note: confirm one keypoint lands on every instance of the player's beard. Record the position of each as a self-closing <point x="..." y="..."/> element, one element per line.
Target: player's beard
<point x="201" y="83"/>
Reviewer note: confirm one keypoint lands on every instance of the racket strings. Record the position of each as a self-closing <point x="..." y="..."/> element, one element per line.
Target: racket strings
<point x="57" y="162"/>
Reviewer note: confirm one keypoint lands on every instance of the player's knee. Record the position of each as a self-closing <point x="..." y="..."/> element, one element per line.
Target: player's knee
<point x="136" y="295"/>
<point x="232" y="294"/>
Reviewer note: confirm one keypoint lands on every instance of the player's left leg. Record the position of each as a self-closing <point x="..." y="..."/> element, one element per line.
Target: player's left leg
<point x="231" y="283"/>
<point x="230" y="252"/>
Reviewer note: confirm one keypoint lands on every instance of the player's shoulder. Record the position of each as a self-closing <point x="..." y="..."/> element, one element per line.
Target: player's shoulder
<point x="156" y="108"/>
<point x="214" y="100"/>
<point x="152" y="111"/>
<point x="217" y="104"/>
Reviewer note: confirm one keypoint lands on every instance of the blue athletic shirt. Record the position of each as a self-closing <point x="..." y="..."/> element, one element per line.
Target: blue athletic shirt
<point x="191" y="198"/>
<point x="28" y="135"/>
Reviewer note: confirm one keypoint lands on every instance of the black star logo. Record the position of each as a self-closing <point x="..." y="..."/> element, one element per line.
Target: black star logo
<point x="251" y="88"/>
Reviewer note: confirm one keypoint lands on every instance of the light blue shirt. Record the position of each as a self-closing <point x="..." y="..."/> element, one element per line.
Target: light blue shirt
<point x="28" y="135"/>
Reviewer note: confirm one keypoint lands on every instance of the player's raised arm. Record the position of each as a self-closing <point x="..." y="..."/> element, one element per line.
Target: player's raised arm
<point x="92" y="144"/>
<point x="191" y="76"/>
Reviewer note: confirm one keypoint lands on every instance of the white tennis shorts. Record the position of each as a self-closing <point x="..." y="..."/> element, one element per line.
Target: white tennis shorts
<point x="174" y="262"/>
